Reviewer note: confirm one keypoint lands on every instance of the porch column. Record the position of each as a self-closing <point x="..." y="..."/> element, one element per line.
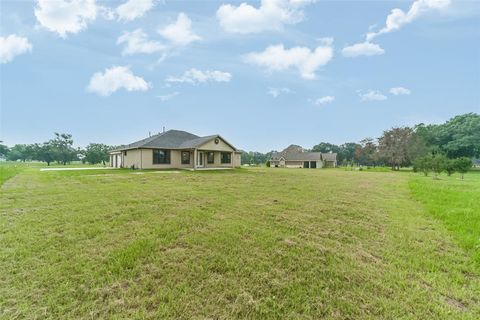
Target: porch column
<point x="195" y="159"/>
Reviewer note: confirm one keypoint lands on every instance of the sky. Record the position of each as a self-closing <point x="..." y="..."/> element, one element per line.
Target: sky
<point x="263" y="74"/>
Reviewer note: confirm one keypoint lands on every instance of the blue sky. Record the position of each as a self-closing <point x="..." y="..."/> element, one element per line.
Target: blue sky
<point x="262" y="74"/>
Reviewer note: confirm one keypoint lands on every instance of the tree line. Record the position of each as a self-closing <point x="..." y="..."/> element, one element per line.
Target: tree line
<point x="446" y="147"/>
<point x="57" y="150"/>
<point x="425" y="147"/>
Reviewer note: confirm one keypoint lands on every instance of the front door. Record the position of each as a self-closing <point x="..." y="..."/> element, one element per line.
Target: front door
<point x="200" y="159"/>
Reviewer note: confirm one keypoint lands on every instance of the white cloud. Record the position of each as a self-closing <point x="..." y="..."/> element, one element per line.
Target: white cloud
<point x="362" y="49"/>
<point x="168" y="96"/>
<point x="179" y="33"/>
<point x="195" y="76"/>
<point x="275" y="92"/>
<point x="400" y="91"/>
<point x="137" y="42"/>
<point x="133" y="9"/>
<point x="324" y="100"/>
<point x="398" y="18"/>
<point x="13" y="45"/>
<point x="65" y="17"/>
<point x="271" y="15"/>
<point x="116" y="78"/>
<point x="277" y="58"/>
<point x="372" y="95"/>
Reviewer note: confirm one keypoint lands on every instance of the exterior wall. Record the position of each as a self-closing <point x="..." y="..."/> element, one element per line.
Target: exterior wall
<point x="330" y="164"/>
<point x="218" y="161"/>
<point x="143" y="159"/>
<point x="212" y="146"/>
<point x="237" y="159"/>
<point x="294" y="164"/>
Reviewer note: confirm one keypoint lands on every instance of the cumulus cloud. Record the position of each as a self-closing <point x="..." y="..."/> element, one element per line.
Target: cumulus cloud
<point x="133" y="9"/>
<point x="400" y="91"/>
<point x="137" y="42"/>
<point x="275" y="92"/>
<point x="116" y="78"/>
<point x="306" y="61"/>
<point x="168" y="96"/>
<point x="398" y="18"/>
<point x="12" y="46"/>
<point x="271" y="15"/>
<point x="179" y="33"/>
<point x="324" y="100"/>
<point x="194" y="76"/>
<point x="372" y="95"/>
<point x="362" y="49"/>
<point x="64" y="17"/>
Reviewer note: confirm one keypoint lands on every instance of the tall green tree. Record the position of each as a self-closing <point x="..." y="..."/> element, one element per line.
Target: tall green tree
<point x="18" y="152"/>
<point x="463" y="165"/>
<point x="97" y="153"/>
<point x="62" y="145"/>
<point x="4" y="151"/>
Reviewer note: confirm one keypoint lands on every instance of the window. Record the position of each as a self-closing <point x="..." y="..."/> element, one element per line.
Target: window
<point x="210" y="157"/>
<point x="226" y="157"/>
<point x="185" y="157"/>
<point x="125" y="153"/>
<point x="161" y="156"/>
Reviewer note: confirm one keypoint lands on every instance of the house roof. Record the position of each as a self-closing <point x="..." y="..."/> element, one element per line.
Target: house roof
<point x="329" y="156"/>
<point x="297" y="153"/>
<point x="171" y="139"/>
<point x="297" y="156"/>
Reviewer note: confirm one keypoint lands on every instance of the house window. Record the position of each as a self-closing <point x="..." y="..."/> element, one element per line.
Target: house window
<point x="125" y="153"/>
<point x="185" y="157"/>
<point x="161" y="156"/>
<point x="226" y="157"/>
<point x="210" y="157"/>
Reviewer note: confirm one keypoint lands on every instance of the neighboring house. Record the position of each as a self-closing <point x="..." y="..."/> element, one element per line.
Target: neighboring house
<point x="295" y="157"/>
<point x="176" y="149"/>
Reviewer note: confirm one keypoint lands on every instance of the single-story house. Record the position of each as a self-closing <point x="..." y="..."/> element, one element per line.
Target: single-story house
<point x="296" y="157"/>
<point x="176" y="149"/>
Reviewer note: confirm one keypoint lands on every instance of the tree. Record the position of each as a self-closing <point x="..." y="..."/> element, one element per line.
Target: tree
<point x="346" y="153"/>
<point x="423" y="164"/>
<point x="45" y="152"/>
<point x="18" y="152"/>
<point x="4" y="151"/>
<point x="62" y="147"/>
<point x="393" y="146"/>
<point x="463" y="164"/>
<point x="96" y="153"/>
<point x="450" y="166"/>
<point x="326" y="147"/>
<point x="366" y="151"/>
<point x="439" y="162"/>
<point x="458" y="137"/>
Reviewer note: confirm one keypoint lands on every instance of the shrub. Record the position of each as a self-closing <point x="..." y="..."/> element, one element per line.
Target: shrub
<point x="463" y="164"/>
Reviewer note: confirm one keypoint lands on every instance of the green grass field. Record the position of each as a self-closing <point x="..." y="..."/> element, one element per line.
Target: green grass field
<point x="250" y="243"/>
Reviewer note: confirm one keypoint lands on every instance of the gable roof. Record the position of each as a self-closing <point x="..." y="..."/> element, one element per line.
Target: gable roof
<point x="297" y="153"/>
<point x="297" y="156"/>
<point x="329" y="156"/>
<point x="171" y="139"/>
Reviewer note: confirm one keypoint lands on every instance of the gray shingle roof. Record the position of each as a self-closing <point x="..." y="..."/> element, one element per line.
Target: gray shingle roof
<point x="172" y="139"/>
<point x="303" y="156"/>
<point x="329" y="156"/>
<point x="297" y="156"/>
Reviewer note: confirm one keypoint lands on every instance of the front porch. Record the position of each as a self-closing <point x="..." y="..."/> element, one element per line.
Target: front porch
<point x="204" y="159"/>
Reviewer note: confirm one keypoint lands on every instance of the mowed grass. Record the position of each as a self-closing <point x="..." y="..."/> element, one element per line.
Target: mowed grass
<point x="258" y="243"/>
<point x="456" y="203"/>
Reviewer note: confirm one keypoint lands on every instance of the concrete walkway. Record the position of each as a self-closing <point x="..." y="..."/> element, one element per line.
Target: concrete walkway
<point x="74" y="169"/>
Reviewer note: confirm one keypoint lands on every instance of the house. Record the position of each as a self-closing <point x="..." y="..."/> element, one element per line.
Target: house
<point x="176" y="149"/>
<point x="296" y="157"/>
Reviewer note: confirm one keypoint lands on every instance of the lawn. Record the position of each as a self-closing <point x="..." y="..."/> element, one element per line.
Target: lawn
<point x="255" y="243"/>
